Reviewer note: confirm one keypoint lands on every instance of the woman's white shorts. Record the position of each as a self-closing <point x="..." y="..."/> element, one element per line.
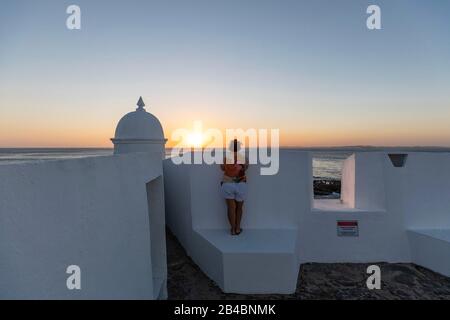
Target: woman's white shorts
<point x="236" y="191"/>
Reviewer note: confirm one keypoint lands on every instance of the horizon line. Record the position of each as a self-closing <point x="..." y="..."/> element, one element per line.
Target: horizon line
<point x="281" y="147"/>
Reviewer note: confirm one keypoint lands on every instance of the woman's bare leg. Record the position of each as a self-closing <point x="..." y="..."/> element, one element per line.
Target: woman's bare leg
<point x="239" y="211"/>
<point x="231" y="205"/>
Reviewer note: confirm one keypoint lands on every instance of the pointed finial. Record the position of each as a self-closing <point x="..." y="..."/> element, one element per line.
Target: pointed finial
<point x="140" y="104"/>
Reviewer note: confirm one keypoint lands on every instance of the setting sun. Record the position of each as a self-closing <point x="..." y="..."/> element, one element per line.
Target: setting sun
<point x="195" y="139"/>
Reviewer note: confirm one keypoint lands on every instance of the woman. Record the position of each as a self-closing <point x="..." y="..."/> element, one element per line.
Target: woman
<point x="234" y="186"/>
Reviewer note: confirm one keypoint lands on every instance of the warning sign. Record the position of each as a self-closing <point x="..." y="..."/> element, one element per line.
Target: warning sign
<point x="347" y="228"/>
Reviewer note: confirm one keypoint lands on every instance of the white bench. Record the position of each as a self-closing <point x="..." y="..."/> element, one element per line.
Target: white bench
<point x="256" y="261"/>
<point x="431" y="248"/>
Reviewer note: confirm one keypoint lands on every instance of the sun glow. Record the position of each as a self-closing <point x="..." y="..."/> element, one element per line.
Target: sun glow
<point x="195" y="139"/>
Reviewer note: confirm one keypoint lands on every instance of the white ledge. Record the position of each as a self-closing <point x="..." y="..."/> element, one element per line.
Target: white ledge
<point x="335" y="206"/>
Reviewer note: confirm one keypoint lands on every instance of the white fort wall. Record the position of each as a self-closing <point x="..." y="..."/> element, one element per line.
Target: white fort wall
<point x="91" y="212"/>
<point x="426" y="190"/>
<point x="269" y="199"/>
<point x="387" y="202"/>
<point x="105" y="214"/>
<point x="377" y="208"/>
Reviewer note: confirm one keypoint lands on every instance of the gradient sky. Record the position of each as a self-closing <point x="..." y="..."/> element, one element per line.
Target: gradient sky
<point x="310" y="68"/>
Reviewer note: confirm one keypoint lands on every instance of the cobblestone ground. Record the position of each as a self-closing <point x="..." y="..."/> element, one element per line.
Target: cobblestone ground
<point x="316" y="281"/>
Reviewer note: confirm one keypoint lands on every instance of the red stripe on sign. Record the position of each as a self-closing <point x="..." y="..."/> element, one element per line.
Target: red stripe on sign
<point x="347" y="223"/>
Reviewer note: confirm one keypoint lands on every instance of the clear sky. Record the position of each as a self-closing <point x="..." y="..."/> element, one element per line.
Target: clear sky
<point x="310" y="68"/>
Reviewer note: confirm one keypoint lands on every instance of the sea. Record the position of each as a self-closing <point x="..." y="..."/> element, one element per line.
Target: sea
<point x="326" y="166"/>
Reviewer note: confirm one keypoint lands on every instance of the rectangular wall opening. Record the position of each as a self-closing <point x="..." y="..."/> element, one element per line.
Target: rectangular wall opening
<point x="332" y="181"/>
<point x="155" y="204"/>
